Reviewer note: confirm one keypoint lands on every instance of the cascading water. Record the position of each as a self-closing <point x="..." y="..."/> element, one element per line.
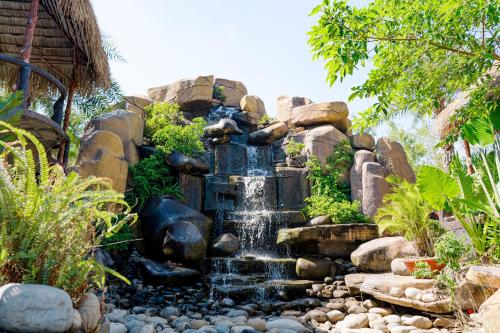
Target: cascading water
<point x="250" y="184"/>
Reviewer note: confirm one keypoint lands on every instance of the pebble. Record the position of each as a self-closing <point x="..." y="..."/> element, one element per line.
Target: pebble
<point x="411" y="292"/>
<point x="429" y="297"/>
<point x="402" y="329"/>
<point x="381" y="311"/>
<point x="418" y="322"/>
<point x="335" y="315"/>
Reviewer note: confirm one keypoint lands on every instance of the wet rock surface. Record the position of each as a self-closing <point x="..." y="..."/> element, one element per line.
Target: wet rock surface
<point x="186" y="164"/>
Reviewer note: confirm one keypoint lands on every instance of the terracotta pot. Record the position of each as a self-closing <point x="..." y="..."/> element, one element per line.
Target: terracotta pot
<point x="411" y="262"/>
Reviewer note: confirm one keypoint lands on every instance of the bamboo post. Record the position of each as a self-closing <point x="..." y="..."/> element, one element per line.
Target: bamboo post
<point x="24" y="75"/>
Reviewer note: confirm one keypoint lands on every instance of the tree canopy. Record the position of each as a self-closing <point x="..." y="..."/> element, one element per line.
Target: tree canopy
<point x="423" y="52"/>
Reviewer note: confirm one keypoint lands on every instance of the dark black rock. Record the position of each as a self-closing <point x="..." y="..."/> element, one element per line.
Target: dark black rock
<point x="186" y="164"/>
<point x="173" y="230"/>
<point x="147" y="151"/>
<point x="156" y="273"/>
<point x="224" y="127"/>
<point x="244" y="121"/>
<point x="296" y="161"/>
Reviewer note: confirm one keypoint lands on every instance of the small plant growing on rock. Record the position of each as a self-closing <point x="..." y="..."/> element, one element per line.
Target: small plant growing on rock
<point x="151" y="177"/>
<point x="294" y="148"/>
<point x="423" y="270"/>
<point x="50" y="222"/>
<point x="266" y="119"/>
<point x="160" y="115"/>
<point x="218" y="93"/>
<point x="184" y="139"/>
<point x="449" y="249"/>
<point x="330" y="195"/>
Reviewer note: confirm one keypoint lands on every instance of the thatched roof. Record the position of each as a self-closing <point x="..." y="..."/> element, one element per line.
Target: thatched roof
<point x="66" y="35"/>
<point x="442" y="122"/>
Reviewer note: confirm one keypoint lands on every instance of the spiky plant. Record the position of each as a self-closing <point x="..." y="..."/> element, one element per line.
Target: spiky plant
<point x="406" y="212"/>
<point x="49" y="222"/>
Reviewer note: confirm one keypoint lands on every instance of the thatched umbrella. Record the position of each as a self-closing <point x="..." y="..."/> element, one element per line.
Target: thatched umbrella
<point x="62" y="38"/>
<point x="443" y="122"/>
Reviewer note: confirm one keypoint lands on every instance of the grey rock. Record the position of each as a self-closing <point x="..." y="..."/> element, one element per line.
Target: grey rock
<point x="374" y="187"/>
<point x="320" y="220"/>
<point x="225" y="126"/>
<point x="186" y="164"/>
<point x="393" y="158"/>
<point x="34" y="308"/>
<point x="226" y="244"/>
<point x="356" y="173"/>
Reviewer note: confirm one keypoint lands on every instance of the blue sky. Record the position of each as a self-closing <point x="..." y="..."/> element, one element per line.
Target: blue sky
<point x="262" y="43"/>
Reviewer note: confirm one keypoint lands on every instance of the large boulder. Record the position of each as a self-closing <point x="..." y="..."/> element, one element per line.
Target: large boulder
<point x="334" y="113"/>
<point x="90" y="312"/>
<point x="319" y="141"/>
<point x="393" y="158"/>
<point x="286" y="104"/>
<point x="362" y="141"/>
<point x="269" y="134"/>
<point x="137" y="103"/>
<point x="194" y="96"/>
<point x="173" y="230"/>
<point x="226" y="244"/>
<point x="186" y="164"/>
<point x="224" y="127"/>
<point x="374" y="187"/>
<point x="233" y="91"/>
<point x="101" y="155"/>
<point x="377" y="255"/>
<point x="485" y="276"/>
<point x="253" y="104"/>
<point x="34" y="308"/>
<point x="356" y="173"/>
<point x="314" y="268"/>
<point x="129" y="126"/>
<point x="489" y="312"/>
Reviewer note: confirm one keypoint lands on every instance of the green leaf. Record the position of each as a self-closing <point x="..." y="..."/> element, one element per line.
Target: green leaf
<point x="316" y="10"/>
<point x="436" y="186"/>
<point x="478" y="131"/>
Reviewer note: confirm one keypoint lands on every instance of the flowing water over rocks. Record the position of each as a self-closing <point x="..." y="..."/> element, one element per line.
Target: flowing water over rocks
<point x="245" y="191"/>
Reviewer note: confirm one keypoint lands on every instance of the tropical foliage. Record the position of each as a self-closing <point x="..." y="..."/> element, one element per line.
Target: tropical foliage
<point x="169" y="130"/>
<point x="151" y="178"/>
<point x="50" y="223"/>
<point x="422" y="52"/>
<point x="406" y="211"/>
<point x="473" y="199"/>
<point x="329" y="193"/>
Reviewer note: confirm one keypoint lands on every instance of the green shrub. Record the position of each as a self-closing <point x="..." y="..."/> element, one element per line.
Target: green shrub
<point x="339" y="211"/>
<point x="265" y="119"/>
<point x="218" y="93"/>
<point x="50" y="222"/>
<point x="405" y="211"/>
<point x="151" y="178"/>
<point x="120" y="240"/>
<point x="423" y="270"/>
<point x="184" y="139"/>
<point x="449" y="249"/>
<point x="294" y="148"/>
<point x="160" y="115"/>
<point x="329" y="195"/>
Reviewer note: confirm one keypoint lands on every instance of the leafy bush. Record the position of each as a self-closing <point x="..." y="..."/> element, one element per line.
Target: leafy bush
<point x="120" y="240"/>
<point x="218" y="93"/>
<point x="51" y="222"/>
<point x="265" y="119"/>
<point x="184" y="139"/>
<point x="449" y="250"/>
<point x="339" y="211"/>
<point x="423" y="270"/>
<point x="294" y="148"/>
<point x="473" y="200"/>
<point x="406" y="211"/>
<point x="330" y="195"/>
<point x="151" y="178"/>
<point x="160" y="115"/>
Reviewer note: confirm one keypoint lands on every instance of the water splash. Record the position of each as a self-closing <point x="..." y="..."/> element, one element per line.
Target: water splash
<point x="220" y="112"/>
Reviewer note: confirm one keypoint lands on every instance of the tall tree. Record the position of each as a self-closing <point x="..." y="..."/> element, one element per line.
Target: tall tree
<point x="423" y="52"/>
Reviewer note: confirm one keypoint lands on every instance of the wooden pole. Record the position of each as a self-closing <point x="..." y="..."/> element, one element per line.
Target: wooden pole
<point x="30" y="31"/>
<point x="24" y="75"/>
<point x="67" y="114"/>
